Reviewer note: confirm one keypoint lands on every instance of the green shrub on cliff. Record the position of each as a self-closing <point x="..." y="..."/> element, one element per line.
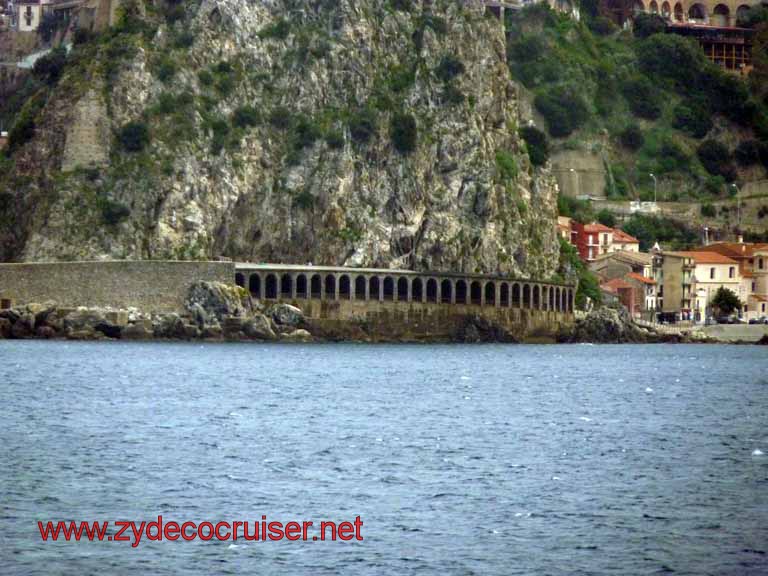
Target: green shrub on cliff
<point x="134" y="136"/>
<point x="404" y="133"/>
<point x="536" y="144"/>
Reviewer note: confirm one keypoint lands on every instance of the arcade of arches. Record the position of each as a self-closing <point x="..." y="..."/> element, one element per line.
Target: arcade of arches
<point x="267" y="282"/>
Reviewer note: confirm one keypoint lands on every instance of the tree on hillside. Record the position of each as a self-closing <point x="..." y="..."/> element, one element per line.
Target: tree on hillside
<point x="725" y="301"/>
<point x="648" y="24"/>
<point x="606" y="218"/>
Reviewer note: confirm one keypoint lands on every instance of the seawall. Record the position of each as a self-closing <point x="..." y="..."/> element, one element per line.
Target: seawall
<point x="428" y="322"/>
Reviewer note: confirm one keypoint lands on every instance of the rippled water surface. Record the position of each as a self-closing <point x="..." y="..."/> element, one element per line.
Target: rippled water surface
<point x="459" y="459"/>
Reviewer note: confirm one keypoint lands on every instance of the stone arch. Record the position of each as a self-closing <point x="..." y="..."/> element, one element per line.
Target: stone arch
<point x="271" y="287"/>
<point x="316" y="287"/>
<point x="490" y="293"/>
<point x="240" y="279"/>
<point x="741" y="13"/>
<point x="536" y="297"/>
<point x="551" y="297"/>
<point x="653" y="7"/>
<point x="504" y="295"/>
<point x="679" y="12"/>
<point x="360" y="284"/>
<point x="475" y="293"/>
<point x="516" y="296"/>
<point x="389" y="288"/>
<point x="666" y="10"/>
<point x="527" y="296"/>
<point x="446" y="291"/>
<point x="301" y="286"/>
<point x="286" y="286"/>
<point x="698" y="13"/>
<point x="330" y="287"/>
<point x="558" y="300"/>
<point x="417" y="290"/>
<point x="638" y="7"/>
<point x="254" y="285"/>
<point x="570" y="300"/>
<point x="374" y="288"/>
<point x="432" y="292"/>
<point x="402" y="289"/>
<point x="461" y="292"/>
<point x="345" y="288"/>
<point x="721" y="15"/>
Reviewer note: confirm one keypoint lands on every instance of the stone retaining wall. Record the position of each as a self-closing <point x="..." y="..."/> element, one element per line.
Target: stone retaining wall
<point x="151" y="286"/>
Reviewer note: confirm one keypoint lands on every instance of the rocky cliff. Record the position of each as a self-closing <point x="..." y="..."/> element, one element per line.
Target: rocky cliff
<point x="341" y="132"/>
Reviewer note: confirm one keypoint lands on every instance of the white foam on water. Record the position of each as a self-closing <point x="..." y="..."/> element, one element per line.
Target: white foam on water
<point x="585" y="419"/>
<point x="235" y="415"/>
<point x="465" y="378"/>
<point x="649" y="390"/>
<point x="757" y="452"/>
<point x="555" y="477"/>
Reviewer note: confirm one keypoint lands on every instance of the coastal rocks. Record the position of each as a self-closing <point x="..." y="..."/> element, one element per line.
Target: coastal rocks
<point x="5" y="328"/>
<point x="478" y="329"/>
<point x="763" y="341"/>
<point x="297" y="336"/>
<point x="259" y="328"/>
<point x="217" y="300"/>
<point x="286" y="315"/>
<point x="607" y="326"/>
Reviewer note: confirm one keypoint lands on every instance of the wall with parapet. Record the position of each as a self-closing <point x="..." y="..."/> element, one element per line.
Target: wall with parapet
<point x="151" y="286"/>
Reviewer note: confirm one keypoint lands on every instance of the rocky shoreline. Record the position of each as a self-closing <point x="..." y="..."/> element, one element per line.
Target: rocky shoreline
<point x="222" y="313"/>
<point x="214" y="312"/>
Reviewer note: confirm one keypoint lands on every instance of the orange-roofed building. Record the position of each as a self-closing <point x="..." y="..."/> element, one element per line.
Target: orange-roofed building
<point x="753" y="289"/>
<point x="712" y="271"/>
<point x="623" y="242"/>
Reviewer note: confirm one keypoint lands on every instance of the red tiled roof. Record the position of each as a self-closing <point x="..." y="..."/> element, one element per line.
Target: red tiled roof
<point x="621" y="237"/>
<point x="641" y="278"/>
<point x="733" y="249"/>
<point x="615" y="284"/>
<point x="597" y="227"/>
<point x="708" y="257"/>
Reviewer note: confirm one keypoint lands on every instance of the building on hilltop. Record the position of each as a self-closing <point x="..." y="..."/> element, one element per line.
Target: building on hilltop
<point x="94" y="15"/>
<point x="712" y="23"/>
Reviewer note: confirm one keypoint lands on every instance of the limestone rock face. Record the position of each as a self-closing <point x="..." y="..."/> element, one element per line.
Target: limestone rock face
<point x="214" y="300"/>
<point x="342" y="133"/>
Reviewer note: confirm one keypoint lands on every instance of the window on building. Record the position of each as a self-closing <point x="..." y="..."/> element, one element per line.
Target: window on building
<point x="591" y="254"/>
<point x="711" y="273"/>
<point x="731" y="272"/>
<point x="760" y="263"/>
<point x="605" y="238"/>
<point x="754" y="286"/>
<point x="28" y="16"/>
<point x="763" y="306"/>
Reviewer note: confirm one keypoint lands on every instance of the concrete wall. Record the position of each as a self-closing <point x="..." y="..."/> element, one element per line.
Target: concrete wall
<point x="420" y="321"/>
<point x="152" y="286"/>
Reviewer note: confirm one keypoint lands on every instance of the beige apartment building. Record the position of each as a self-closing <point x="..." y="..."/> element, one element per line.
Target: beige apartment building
<point x="675" y="278"/>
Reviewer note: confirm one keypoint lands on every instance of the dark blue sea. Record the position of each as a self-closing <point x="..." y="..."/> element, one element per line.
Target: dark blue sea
<point x="487" y="460"/>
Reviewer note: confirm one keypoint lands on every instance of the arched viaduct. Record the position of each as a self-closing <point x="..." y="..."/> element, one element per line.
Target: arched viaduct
<point x="290" y="282"/>
<point x="710" y="12"/>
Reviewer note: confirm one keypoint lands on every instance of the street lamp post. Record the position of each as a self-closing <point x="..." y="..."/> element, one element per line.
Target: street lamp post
<point x="655" y="187"/>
